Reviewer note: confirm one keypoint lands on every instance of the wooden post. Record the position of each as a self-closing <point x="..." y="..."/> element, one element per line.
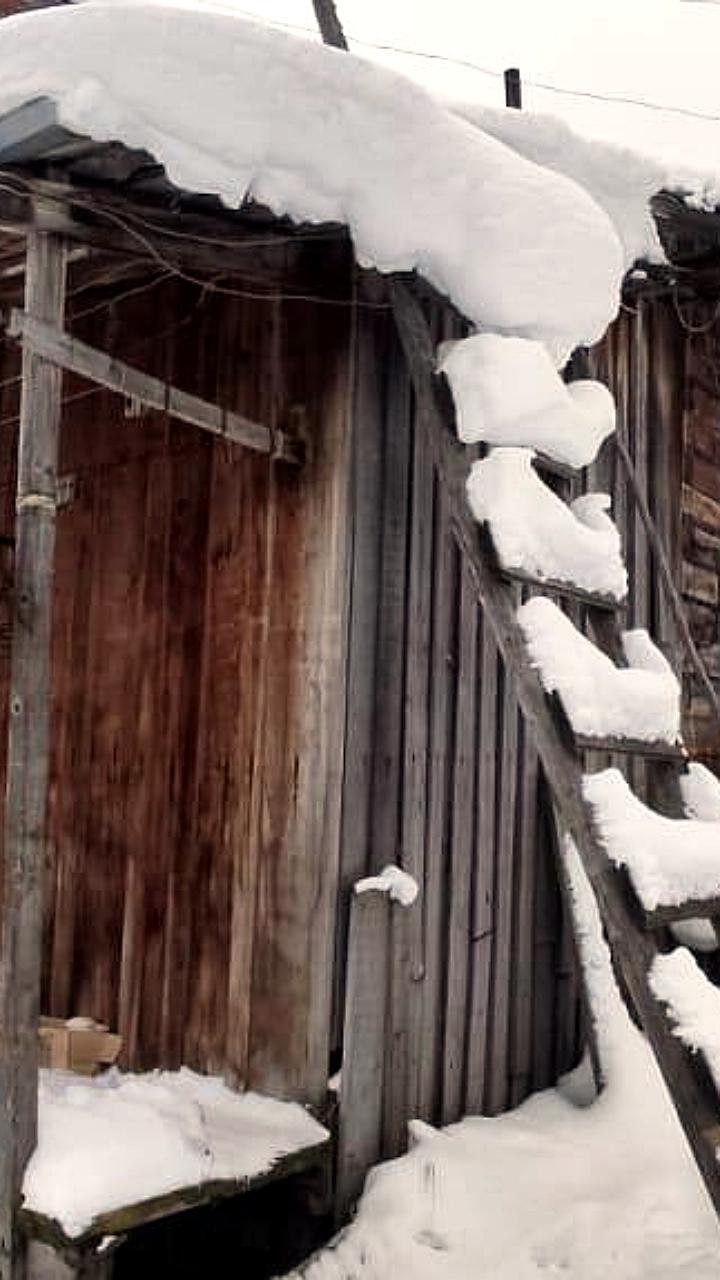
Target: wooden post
<point x="513" y="88"/>
<point x="27" y="759"/>
<point x="329" y="23"/>
<point x="361" y="1085"/>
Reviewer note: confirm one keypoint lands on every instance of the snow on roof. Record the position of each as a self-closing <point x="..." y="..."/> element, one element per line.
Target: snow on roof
<point x="233" y="108"/>
<point x="641" y="700"/>
<point x="117" y="1140"/>
<point x="620" y="180"/>
<point x="670" y="860"/>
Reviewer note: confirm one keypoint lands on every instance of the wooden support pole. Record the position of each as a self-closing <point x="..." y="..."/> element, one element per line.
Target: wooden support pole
<point x="513" y="88"/>
<point x="329" y="24"/>
<point x="361" y="1087"/>
<point x="27" y="759"/>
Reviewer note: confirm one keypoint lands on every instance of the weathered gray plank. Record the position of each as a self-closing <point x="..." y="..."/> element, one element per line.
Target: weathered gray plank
<point x="482" y="932"/>
<point x="366" y="484"/>
<point x="442" y="712"/>
<point x="523" y="940"/>
<point x="497" y="1095"/>
<point x="405" y="1047"/>
<point x="461" y="855"/>
<point x="28" y="739"/>
<point x="361" y="1088"/>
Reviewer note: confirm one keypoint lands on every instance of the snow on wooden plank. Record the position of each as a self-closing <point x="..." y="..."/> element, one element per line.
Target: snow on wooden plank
<point x="535" y="533"/>
<point x="693" y="1003"/>
<point x="673" y="863"/>
<point x="507" y="392"/>
<point x="640" y="702"/>
<point x="120" y="1149"/>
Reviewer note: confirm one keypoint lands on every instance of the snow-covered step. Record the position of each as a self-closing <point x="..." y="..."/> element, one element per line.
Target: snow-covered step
<point x="673" y="863"/>
<point x="700" y="793"/>
<point x="119" y="1150"/>
<point x="507" y="391"/>
<point x="538" y="537"/>
<point x="692" y="1002"/>
<point x="606" y="707"/>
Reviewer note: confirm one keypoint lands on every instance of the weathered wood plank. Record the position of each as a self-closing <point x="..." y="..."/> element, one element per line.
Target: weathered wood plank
<point x="77" y="357"/>
<point x="405" y="1040"/>
<point x="498" y="1092"/>
<point x="366" y="484"/>
<point x="463" y="822"/>
<point x="28" y="742"/>
<point x="482" y="933"/>
<point x="442" y="714"/>
<point x="363" y="1065"/>
<point x="523" y="941"/>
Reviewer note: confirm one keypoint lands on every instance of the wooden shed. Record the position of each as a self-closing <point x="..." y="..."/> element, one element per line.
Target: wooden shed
<point x="269" y="672"/>
<point x="246" y="666"/>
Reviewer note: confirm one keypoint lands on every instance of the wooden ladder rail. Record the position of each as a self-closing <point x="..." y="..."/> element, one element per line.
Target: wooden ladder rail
<point x="633" y="949"/>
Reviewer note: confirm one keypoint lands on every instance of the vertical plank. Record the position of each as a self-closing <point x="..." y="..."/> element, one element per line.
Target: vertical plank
<point x="546" y="933"/>
<point x="394" y="521"/>
<point x="361" y="1088"/>
<point x="434" y="898"/>
<point x="483" y="928"/>
<point x="523" y="940"/>
<point x="303" y="745"/>
<point x="461" y="855"/>
<point x="405" y="1048"/>
<point x="366" y="483"/>
<point x="497" y="1083"/>
<point x="27" y="767"/>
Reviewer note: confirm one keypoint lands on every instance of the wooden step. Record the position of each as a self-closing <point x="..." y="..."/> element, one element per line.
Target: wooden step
<point x="641" y="748"/>
<point x="548" y="586"/>
<point x="656" y="750"/>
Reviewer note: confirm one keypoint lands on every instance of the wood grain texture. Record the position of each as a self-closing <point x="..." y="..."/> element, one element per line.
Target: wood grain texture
<point x="27" y="765"/>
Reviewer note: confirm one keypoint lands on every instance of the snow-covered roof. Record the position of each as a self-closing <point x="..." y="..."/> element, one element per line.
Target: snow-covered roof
<point x="234" y="108"/>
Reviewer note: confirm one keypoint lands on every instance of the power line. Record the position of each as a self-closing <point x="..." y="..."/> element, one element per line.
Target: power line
<point x="471" y="65"/>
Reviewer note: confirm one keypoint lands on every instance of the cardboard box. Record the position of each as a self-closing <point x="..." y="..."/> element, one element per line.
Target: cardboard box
<point x="78" y="1044"/>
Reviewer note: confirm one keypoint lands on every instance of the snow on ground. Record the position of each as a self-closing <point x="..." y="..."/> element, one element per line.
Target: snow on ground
<point x="553" y="1189"/>
<point x="670" y="860"/>
<point x="325" y="136"/>
<point x="508" y="392"/>
<point x="693" y="1004"/>
<point x="119" y="1139"/>
<point x="600" y="699"/>
<point x="535" y="531"/>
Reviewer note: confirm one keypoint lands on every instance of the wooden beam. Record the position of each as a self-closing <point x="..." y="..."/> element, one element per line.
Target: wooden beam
<point x="329" y="23"/>
<point x="28" y="734"/>
<point x="362" y="1080"/>
<point x="66" y="352"/>
<point x="182" y="238"/>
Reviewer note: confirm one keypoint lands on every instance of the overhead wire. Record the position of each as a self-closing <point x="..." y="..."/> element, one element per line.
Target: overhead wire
<point x="470" y="64"/>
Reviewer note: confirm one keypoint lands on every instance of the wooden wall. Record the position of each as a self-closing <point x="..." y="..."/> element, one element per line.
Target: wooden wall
<point x="198" y="675"/>
<point x="662" y="362"/>
<point x="482" y="992"/>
